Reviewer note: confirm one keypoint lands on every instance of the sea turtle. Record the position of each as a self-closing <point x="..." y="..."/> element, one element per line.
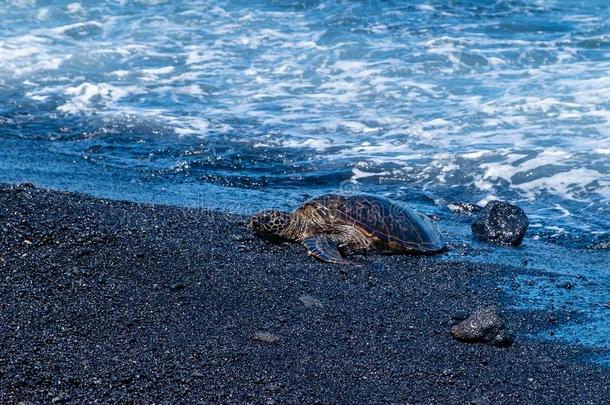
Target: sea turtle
<point x="332" y="223"/>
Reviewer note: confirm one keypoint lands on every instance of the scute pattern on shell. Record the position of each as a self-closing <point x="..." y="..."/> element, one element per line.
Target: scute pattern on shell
<point x="382" y="218"/>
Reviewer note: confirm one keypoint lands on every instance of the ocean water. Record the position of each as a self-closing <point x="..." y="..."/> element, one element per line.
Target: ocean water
<point x="242" y="105"/>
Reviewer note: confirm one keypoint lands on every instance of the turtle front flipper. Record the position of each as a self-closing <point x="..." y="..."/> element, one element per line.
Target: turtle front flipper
<point x="324" y="249"/>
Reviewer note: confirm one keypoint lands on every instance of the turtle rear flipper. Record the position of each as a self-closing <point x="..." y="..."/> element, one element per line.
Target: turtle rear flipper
<point x="323" y="248"/>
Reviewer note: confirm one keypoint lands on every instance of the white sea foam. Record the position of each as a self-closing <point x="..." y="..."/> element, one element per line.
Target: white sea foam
<point x="483" y="202"/>
<point x="74" y="7"/>
<point x="318" y="144"/>
<point x="120" y="73"/>
<point x="189" y="126"/>
<point x="425" y="7"/>
<point x="361" y="174"/>
<point x="22" y="3"/>
<point x="27" y="54"/>
<point x="158" y="71"/>
<point x="569" y="184"/>
<point x="43" y="13"/>
<point x="86" y="97"/>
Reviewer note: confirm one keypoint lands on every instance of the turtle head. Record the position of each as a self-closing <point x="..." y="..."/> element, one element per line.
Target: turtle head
<point x="271" y="223"/>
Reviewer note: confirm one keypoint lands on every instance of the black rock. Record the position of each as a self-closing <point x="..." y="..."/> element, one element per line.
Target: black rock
<point x="484" y="325"/>
<point x="502" y="223"/>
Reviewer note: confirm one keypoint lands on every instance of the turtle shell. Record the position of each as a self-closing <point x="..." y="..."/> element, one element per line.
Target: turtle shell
<point x="399" y="227"/>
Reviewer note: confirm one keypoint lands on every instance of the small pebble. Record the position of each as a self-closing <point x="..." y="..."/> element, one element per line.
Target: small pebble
<point x="310" y="301"/>
<point x="460" y="315"/>
<point x="176" y="287"/>
<point x="61" y="398"/>
<point x="266" y="337"/>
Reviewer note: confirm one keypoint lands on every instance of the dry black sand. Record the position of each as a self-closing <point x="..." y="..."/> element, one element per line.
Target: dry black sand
<point x="107" y="301"/>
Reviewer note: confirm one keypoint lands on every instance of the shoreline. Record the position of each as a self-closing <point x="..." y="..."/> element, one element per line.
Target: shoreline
<point x="109" y="301"/>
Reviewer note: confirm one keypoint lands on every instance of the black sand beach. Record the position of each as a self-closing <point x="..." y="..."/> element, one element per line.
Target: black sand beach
<point x="106" y="301"/>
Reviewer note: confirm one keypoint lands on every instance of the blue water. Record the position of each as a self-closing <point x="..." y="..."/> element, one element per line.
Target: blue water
<point x="241" y="105"/>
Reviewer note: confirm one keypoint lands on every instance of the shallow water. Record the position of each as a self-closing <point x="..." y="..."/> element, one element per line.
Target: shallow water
<point x="247" y="104"/>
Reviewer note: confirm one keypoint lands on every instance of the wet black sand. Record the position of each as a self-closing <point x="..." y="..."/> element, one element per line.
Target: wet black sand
<point x="107" y="301"/>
